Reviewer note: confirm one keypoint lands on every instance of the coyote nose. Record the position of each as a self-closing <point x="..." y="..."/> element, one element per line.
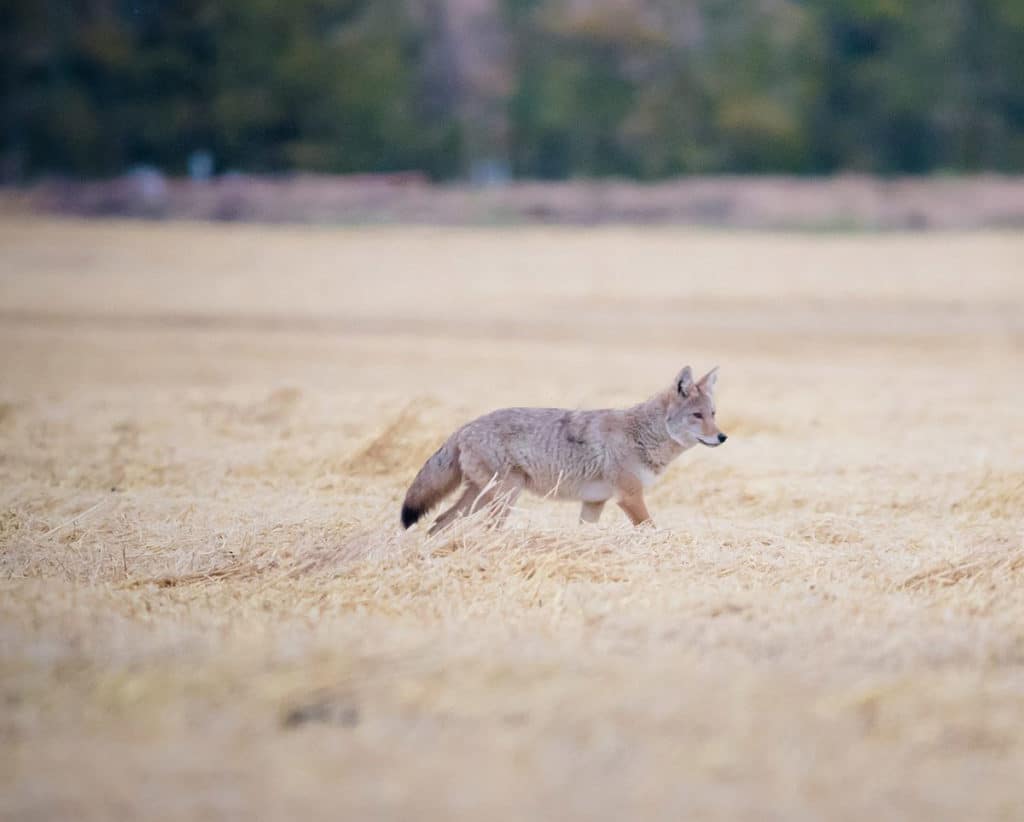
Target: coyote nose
<point x="722" y="438"/>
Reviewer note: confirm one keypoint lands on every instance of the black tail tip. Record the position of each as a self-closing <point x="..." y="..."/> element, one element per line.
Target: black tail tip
<point x="410" y="515"/>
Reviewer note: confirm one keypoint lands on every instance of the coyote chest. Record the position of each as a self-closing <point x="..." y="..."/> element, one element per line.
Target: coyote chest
<point x="588" y="456"/>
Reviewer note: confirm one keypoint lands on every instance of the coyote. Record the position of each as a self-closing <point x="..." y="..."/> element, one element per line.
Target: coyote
<point x="589" y="456"/>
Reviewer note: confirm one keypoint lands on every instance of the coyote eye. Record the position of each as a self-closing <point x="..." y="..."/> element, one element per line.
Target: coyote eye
<point x="698" y="415"/>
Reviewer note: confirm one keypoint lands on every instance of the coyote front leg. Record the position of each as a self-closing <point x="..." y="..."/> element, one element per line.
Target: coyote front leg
<point x="591" y="511"/>
<point x="636" y="510"/>
<point x="631" y="499"/>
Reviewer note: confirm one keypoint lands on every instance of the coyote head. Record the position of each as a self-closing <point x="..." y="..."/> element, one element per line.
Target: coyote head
<point x="690" y="417"/>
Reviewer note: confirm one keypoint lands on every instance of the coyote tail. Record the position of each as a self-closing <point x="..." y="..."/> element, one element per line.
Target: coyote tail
<point x="439" y="476"/>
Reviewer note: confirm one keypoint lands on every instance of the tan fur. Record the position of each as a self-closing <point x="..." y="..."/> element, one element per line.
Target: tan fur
<point x="588" y="456"/>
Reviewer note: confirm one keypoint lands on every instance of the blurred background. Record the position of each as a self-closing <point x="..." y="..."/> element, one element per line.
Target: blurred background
<point x="493" y="90"/>
<point x="208" y="606"/>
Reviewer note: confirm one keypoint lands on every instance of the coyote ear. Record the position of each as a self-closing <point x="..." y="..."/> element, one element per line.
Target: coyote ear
<point x="707" y="382"/>
<point x="684" y="382"/>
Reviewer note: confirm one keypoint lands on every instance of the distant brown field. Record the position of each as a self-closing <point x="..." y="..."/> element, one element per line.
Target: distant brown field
<point x="840" y="203"/>
<point x="209" y="610"/>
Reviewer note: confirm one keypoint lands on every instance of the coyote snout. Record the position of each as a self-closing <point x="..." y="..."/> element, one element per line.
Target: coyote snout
<point x="588" y="456"/>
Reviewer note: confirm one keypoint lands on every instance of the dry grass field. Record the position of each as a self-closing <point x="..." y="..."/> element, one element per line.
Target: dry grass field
<point x="208" y="609"/>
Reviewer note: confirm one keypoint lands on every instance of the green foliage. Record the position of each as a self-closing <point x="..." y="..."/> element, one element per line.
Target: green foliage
<point x="644" y="89"/>
<point x="323" y="85"/>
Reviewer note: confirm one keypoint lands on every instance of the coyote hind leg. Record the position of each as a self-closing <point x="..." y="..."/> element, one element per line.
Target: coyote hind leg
<point x="501" y="497"/>
<point x="462" y="506"/>
<point x="498" y="499"/>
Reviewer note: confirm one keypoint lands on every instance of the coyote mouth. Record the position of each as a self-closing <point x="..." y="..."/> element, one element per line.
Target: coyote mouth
<point x="708" y="444"/>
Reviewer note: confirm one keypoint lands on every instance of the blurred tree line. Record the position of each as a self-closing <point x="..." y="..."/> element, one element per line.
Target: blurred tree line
<point x="534" y="88"/>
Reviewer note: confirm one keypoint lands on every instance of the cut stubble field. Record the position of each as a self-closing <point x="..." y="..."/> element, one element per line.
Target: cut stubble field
<point x="208" y="608"/>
